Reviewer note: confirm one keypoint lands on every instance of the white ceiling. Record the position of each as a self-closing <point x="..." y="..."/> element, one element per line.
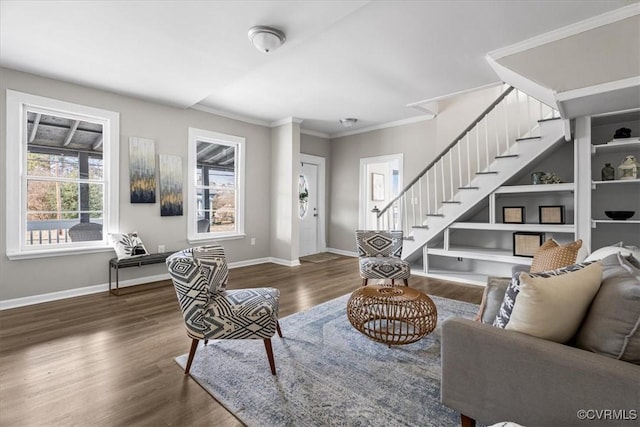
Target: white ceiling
<point x="364" y="59"/>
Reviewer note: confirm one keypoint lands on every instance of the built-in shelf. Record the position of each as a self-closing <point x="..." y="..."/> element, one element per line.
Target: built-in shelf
<point x="484" y="254"/>
<point x="617" y="147"/>
<point x="613" y="221"/>
<point x="616" y="181"/>
<point x="537" y="188"/>
<point x="551" y="228"/>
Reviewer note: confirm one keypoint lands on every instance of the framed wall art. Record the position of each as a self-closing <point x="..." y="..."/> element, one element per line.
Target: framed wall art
<point x="377" y="186"/>
<point x="513" y="214"/>
<point x="142" y="170"/>
<point x="526" y="243"/>
<point x="170" y="185"/>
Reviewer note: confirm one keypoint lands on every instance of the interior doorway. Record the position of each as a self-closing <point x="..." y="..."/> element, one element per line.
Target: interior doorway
<point x="380" y="182"/>
<point x="311" y="205"/>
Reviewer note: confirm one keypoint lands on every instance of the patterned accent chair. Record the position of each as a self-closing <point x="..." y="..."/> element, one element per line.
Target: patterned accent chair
<point x="211" y="311"/>
<point x="380" y="256"/>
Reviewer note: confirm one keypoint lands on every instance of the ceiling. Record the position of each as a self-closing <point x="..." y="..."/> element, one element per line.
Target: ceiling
<point x="363" y="59"/>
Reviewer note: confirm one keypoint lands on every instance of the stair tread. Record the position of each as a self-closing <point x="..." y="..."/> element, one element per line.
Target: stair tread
<point x="468" y="188"/>
<point x="451" y="202"/>
<point x="548" y="120"/>
<point x="507" y="156"/>
<point x="487" y="173"/>
<point x="528" y="138"/>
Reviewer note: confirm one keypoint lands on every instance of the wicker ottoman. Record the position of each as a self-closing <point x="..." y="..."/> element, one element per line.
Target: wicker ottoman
<point x="392" y="315"/>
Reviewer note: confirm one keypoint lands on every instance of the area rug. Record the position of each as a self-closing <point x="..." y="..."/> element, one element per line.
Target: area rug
<point x="329" y="374"/>
<point x="318" y="258"/>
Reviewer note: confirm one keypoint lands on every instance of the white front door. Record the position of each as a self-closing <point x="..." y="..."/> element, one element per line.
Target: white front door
<point x="308" y="208"/>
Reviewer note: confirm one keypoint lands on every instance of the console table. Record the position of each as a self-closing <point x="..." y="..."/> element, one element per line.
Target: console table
<point x="115" y="264"/>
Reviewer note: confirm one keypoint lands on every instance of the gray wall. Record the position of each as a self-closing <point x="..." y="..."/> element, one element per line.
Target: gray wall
<point x="168" y="127"/>
<point x="420" y="142"/>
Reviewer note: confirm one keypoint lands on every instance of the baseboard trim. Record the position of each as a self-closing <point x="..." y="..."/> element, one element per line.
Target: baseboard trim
<point x="93" y="289"/>
<point x="341" y="252"/>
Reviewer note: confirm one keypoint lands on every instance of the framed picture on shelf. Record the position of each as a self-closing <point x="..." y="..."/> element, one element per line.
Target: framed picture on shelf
<point x="377" y="187"/>
<point x="551" y="214"/>
<point x="513" y="214"/>
<point x="526" y="243"/>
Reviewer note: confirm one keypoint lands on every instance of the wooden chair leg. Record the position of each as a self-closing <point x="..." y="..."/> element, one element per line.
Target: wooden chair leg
<point x="467" y="421"/>
<point x="206" y="342"/>
<point x="192" y="352"/>
<point x="272" y="363"/>
<point x="364" y="282"/>
<point x="406" y="282"/>
<point x="393" y="282"/>
<point x="278" y="329"/>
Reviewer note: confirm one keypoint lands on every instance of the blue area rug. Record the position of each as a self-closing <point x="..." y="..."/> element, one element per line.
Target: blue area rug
<point x="329" y="374"/>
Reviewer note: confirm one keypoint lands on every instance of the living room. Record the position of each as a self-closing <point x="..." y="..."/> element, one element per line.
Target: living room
<point x="272" y="155"/>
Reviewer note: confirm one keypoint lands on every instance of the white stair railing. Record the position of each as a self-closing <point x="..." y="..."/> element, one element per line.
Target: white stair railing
<point x="492" y="135"/>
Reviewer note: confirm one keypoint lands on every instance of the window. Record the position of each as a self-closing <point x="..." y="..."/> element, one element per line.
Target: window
<point x="216" y="185"/>
<point x="62" y="171"/>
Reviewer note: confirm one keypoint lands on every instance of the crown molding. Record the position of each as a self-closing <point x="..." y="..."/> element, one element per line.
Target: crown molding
<point x="315" y="133"/>
<point x="568" y="31"/>
<point x="285" y="121"/>
<point x="228" y="115"/>
<point x="410" y="120"/>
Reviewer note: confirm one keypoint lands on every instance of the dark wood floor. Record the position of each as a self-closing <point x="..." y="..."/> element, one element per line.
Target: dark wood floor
<point x="103" y="360"/>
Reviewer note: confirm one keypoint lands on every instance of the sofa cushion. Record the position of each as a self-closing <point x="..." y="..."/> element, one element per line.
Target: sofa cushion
<point x="552" y="308"/>
<point x="612" y="325"/>
<point x="551" y="255"/>
<point x="492" y="298"/>
<point x="504" y="313"/>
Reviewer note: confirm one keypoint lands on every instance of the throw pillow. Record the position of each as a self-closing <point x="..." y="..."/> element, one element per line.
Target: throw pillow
<point x="605" y="251"/>
<point x="552" y="308"/>
<point x="504" y="313"/>
<point x="551" y="255"/>
<point x="128" y="245"/>
<point x="612" y="325"/>
<point x="492" y="298"/>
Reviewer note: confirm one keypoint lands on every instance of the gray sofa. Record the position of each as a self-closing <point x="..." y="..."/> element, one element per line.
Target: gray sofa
<point x="494" y="375"/>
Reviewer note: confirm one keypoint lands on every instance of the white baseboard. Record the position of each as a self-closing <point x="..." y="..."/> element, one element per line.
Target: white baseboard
<point x="341" y="252"/>
<point x="76" y="292"/>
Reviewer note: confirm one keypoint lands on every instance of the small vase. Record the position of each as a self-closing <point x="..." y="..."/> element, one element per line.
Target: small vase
<point x="608" y="172"/>
<point x="536" y="177"/>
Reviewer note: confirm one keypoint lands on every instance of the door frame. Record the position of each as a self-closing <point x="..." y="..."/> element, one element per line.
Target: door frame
<point x="362" y="190"/>
<point x="320" y="162"/>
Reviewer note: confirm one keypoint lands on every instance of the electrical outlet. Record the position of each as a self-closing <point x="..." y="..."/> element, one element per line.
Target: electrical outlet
<point x="160" y="248"/>
<point x="253" y="241"/>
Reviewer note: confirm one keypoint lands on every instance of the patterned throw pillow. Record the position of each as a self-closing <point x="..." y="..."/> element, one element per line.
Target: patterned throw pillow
<point x="551" y="255"/>
<point x="504" y="313"/>
<point x="128" y="245"/>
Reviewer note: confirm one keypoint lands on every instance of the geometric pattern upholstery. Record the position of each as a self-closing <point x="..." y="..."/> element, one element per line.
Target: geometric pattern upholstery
<point x="380" y="255"/>
<point x="379" y="243"/>
<point x="384" y="268"/>
<point x="199" y="277"/>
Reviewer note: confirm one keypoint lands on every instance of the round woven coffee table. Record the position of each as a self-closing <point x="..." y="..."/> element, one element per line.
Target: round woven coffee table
<point x="392" y="315"/>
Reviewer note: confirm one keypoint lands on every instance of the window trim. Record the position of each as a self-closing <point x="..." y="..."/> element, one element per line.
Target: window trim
<point x="17" y="104"/>
<point x="239" y="142"/>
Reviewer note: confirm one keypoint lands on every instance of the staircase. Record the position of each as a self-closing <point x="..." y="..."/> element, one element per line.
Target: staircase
<point x="511" y="133"/>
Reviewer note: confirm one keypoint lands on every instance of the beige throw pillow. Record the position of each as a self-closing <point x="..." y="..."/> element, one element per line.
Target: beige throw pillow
<point x="551" y="255"/>
<point x="553" y="308"/>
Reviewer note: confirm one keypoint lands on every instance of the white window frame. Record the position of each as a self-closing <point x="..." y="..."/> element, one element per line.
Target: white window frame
<point x="239" y="143"/>
<point x="18" y="103"/>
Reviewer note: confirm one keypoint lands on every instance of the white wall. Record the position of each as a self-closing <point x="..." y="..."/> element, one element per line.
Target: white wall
<point x="168" y="127"/>
<point x="285" y="161"/>
<point x="420" y="142"/>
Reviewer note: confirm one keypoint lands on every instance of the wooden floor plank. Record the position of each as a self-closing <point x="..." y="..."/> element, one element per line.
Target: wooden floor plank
<point x="104" y="360"/>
